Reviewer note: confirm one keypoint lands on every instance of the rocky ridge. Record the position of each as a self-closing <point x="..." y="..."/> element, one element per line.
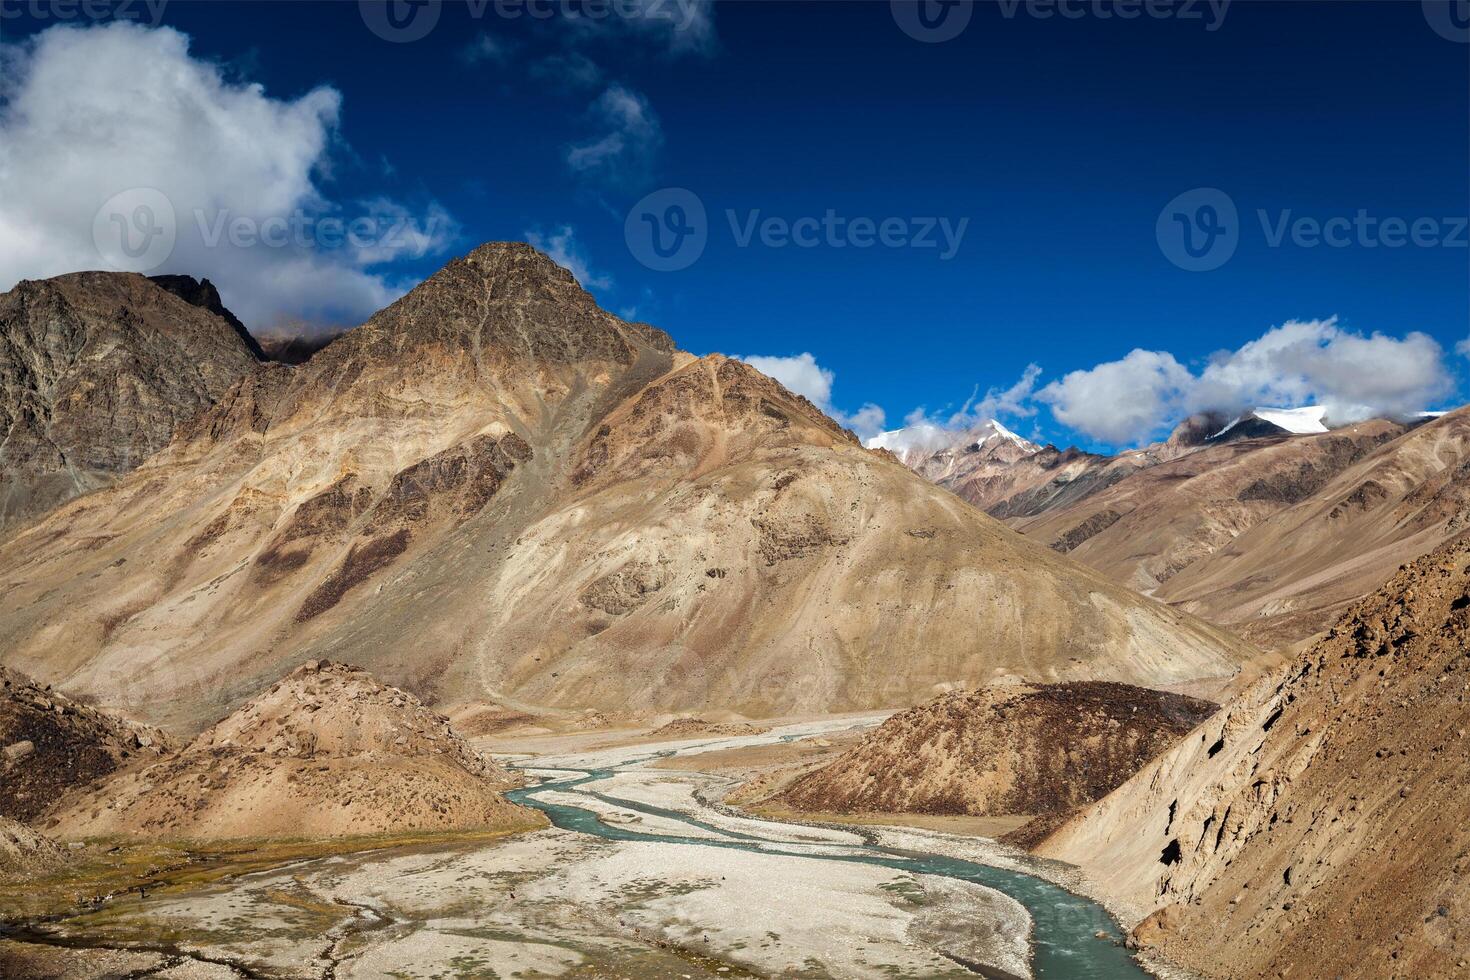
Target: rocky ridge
<point x="552" y="508"/>
<point x="1267" y="530"/>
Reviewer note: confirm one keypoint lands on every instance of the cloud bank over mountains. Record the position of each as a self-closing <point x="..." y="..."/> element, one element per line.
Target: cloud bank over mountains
<point x="1145" y="393"/>
<point x="1354" y="376"/>
<point x="93" y="112"/>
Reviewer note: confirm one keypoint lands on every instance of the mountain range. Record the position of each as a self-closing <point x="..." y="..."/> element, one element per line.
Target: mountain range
<point x="1269" y="523"/>
<point x="495" y="492"/>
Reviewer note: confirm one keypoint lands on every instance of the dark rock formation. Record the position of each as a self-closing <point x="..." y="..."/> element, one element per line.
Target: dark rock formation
<point x="96" y="371"/>
<point x="201" y="293"/>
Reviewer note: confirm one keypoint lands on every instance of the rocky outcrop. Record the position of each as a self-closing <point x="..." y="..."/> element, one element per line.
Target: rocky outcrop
<point x="24" y="851"/>
<point x="1016" y="749"/>
<point x="50" y="744"/>
<point x="97" y="369"/>
<point x="326" y="751"/>
<point x="1318" y="825"/>
<point x="203" y="294"/>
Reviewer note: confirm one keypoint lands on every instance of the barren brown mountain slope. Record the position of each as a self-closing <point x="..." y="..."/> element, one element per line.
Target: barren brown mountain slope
<point x="1170" y="515"/>
<point x="495" y="491"/>
<point x="50" y="744"/>
<point x="1319" y="825"/>
<point x="96" y="371"/>
<point x="1016" y="749"/>
<point x="1267" y="533"/>
<point x="326" y="751"/>
<point x="1007" y="484"/>
<point x="1292" y="574"/>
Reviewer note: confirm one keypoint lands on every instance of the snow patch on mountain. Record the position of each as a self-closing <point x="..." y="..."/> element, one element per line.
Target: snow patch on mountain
<point x="1308" y="420"/>
<point x="924" y="439"/>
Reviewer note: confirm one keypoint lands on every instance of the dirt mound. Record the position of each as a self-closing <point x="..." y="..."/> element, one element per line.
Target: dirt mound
<point x="327" y="751"/>
<point x="23" y="850"/>
<point x="1000" y="750"/>
<point x="50" y="744"/>
<point x="1319" y="824"/>
<point x="697" y="727"/>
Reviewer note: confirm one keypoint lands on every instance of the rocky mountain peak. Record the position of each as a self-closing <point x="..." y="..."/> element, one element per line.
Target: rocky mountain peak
<point x="504" y="302"/>
<point x="203" y="294"/>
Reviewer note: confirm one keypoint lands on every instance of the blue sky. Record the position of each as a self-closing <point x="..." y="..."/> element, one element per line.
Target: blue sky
<point x="1054" y="143"/>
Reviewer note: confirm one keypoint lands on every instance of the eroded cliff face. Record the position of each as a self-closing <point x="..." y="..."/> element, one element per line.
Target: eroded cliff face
<point x="495" y="490"/>
<point x="1319" y="823"/>
<point x="97" y="369"/>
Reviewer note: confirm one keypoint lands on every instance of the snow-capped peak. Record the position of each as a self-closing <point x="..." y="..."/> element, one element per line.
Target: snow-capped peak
<point x="1302" y="421"/>
<point x="994" y="430"/>
<point x="920" y="441"/>
<point x="1308" y="420"/>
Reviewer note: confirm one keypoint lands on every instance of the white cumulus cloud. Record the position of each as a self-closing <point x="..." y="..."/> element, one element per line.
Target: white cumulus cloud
<point x="1352" y="375"/>
<point x="803" y="375"/>
<point x="89" y="113"/>
<point x="628" y="138"/>
<point x="931" y="432"/>
<point x="562" y="247"/>
<point x="1121" y="401"/>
